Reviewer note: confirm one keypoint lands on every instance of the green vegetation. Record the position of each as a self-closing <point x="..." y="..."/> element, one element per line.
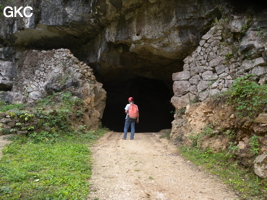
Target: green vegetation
<point x="261" y="33"/>
<point x="55" y="116"/>
<point x="51" y="159"/>
<point x="4" y="107"/>
<point x="223" y="166"/>
<point x="246" y="96"/>
<point x="166" y="134"/>
<point x="254" y="144"/>
<point x="42" y="170"/>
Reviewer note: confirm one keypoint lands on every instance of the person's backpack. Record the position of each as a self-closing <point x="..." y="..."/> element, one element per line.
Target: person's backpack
<point x="133" y="111"/>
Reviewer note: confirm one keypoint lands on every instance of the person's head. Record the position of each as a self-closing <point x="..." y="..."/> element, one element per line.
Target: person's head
<point x="130" y="99"/>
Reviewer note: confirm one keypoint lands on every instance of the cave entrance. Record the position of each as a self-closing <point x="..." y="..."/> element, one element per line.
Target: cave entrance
<point x="152" y="97"/>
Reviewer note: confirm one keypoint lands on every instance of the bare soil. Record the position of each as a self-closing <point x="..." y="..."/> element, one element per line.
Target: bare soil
<point x="149" y="167"/>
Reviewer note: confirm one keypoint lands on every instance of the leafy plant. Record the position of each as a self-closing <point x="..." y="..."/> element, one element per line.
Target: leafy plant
<point x="231" y="134"/>
<point x="254" y="144"/>
<point x="247" y="97"/>
<point x="7" y="107"/>
<point x="232" y="148"/>
<point x="229" y="56"/>
<point x="196" y="139"/>
<point x="261" y="33"/>
<point x="181" y="111"/>
<point x="208" y="129"/>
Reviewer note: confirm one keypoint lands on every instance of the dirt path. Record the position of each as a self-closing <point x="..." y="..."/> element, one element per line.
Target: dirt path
<point x="149" y="168"/>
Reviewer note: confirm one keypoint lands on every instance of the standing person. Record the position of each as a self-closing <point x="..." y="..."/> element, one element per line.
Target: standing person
<point x="132" y="116"/>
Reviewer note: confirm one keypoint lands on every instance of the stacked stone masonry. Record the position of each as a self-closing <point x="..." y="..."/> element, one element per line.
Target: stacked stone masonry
<point x="215" y="64"/>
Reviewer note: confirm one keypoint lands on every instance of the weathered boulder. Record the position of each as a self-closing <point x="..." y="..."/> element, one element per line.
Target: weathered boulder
<point x="260" y="165"/>
<point x="262" y="118"/>
<point x="41" y="73"/>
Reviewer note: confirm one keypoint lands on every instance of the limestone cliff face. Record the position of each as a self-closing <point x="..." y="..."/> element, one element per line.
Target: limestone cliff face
<point x="116" y="36"/>
<point x="119" y="39"/>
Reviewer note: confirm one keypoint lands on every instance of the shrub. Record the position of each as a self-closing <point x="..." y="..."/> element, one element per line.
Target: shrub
<point x="247" y="97"/>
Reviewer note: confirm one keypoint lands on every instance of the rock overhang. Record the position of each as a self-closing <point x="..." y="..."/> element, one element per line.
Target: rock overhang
<point x="139" y="38"/>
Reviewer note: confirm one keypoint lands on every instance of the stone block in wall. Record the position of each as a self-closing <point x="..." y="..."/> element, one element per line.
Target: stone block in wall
<point x="209" y="34"/>
<point x="186" y="67"/>
<point x="202" y="85"/>
<point x="181" y="87"/>
<point x="194" y="80"/>
<point x="209" y="76"/>
<point x="228" y="83"/>
<point x="186" y="60"/>
<point x="220" y="69"/>
<point x="193" y="89"/>
<point x="223" y="75"/>
<point x="202" y="42"/>
<point x="196" y="70"/>
<point x="260" y="70"/>
<point x="249" y="64"/>
<point x="259" y="62"/>
<point x="183" y="101"/>
<point x="216" y="42"/>
<point x="181" y="76"/>
<point x="215" y="84"/>
<point x="214" y="91"/>
<point x="212" y="55"/>
<point x="203" y="95"/>
<point x="217" y="61"/>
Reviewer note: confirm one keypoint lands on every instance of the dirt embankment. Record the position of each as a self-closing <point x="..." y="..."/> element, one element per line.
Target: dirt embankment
<point x="149" y="168"/>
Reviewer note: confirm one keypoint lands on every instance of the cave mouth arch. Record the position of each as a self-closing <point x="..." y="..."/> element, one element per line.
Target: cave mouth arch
<point x="152" y="97"/>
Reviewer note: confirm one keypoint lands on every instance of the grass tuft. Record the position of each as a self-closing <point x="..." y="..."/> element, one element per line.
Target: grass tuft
<point x="246" y="183"/>
<point x="45" y="170"/>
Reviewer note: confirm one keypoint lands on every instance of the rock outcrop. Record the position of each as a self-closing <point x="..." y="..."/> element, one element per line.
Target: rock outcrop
<point x="260" y="166"/>
<point x="42" y="73"/>
<point x="118" y="37"/>
<point x="214" y="125"/>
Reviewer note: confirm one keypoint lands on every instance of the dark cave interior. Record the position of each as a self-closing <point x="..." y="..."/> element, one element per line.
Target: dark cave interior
<point x="152" y="97"/>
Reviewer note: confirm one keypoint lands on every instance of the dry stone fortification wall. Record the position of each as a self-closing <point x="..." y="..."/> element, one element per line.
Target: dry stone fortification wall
<point x="218" y="60"/>
<point x="221" y="57"/>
